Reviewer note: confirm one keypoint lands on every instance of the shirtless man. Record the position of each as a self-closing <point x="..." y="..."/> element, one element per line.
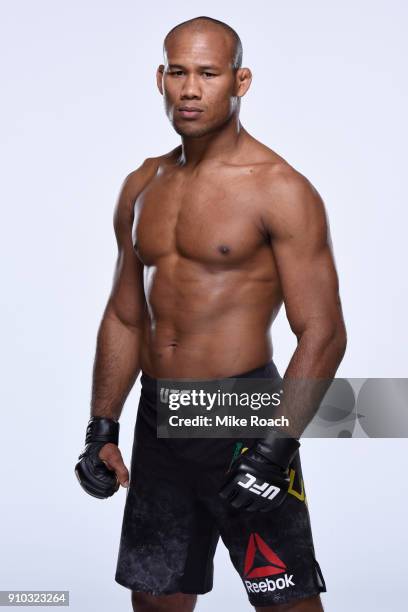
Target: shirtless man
<point x="213" y="237"/>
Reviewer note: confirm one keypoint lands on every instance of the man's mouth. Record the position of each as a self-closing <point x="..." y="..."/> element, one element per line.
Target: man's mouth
<point x="189" y="112"/>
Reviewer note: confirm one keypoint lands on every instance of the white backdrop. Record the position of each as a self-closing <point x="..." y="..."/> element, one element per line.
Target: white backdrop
<point x="79" y="110"/>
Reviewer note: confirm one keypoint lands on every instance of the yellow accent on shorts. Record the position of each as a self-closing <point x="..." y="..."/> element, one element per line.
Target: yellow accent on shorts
<point x="300" y="495"/>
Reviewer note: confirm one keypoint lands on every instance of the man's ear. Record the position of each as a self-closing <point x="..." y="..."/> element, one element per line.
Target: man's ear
<point x="243" y="81"/>
<point x="159" y="78"/>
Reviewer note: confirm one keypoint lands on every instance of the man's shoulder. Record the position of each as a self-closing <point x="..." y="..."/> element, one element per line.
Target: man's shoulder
<point x="272" y="172"/>
<point x="137" y="179"/>
<point x="283" y="193"/>
<point x="277" y="180"/>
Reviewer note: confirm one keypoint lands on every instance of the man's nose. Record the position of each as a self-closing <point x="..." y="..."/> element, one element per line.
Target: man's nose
<point x="191" y="88"/>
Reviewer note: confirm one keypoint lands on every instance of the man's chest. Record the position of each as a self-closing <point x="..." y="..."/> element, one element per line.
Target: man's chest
<point x="211" y="221"/>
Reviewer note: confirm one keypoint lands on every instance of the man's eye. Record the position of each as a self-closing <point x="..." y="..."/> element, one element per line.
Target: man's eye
<point x="176" y="72"/>
<point x="209" y="74"/>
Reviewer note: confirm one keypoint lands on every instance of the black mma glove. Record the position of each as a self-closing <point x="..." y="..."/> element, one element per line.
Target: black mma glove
<point x="93" y="475"/>
<point x="259" y="478"/>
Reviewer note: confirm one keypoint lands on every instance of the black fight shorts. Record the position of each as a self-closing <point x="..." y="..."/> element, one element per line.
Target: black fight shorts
<point x="173" y="519"/>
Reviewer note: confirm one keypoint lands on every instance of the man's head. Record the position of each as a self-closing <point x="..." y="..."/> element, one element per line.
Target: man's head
<point x="202" y="79"/>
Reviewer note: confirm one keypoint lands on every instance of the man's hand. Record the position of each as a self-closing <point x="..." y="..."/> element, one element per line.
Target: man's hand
<point x="112" y="457"/>
<point x="100" y="468"/>
<point x="259" y="478"/>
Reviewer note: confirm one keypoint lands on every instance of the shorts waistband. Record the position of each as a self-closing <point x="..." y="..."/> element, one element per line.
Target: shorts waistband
<point x="268" y="370"/>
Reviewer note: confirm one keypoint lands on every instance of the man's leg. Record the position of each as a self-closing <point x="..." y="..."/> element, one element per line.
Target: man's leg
<point x="168" y="537"/>
<point x="273" y="552"/>
<point x="310" y="604"/>
<point x="179" y="602"/>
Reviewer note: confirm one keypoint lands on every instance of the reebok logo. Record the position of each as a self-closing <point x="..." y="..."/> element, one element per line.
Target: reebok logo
<point x="269" y="585"/>
<point x="259" y="550"/>
<point x="275" y="565"/>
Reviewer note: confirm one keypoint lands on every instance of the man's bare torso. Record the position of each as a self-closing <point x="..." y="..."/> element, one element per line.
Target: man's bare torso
<point x="211" y="284"/>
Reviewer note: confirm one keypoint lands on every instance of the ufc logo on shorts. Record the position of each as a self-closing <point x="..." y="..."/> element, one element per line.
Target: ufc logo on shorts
<point x="264" y="490"/>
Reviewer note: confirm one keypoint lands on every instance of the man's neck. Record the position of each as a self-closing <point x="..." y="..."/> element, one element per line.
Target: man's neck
<point x="217" y="145"/>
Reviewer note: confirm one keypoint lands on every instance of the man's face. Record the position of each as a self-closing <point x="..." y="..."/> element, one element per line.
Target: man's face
<point x="198" y="82"/>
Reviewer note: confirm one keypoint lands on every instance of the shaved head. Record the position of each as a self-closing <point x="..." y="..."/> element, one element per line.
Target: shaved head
<point x="206" y="24"/>
<point x="202" y="79"/>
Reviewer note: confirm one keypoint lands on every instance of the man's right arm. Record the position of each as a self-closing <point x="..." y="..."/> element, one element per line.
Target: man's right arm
<point x="116" y="364"/>
<point x="100" y="468"/>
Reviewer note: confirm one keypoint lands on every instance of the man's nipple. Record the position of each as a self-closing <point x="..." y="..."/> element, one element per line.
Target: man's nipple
<point x="224" y="250"/>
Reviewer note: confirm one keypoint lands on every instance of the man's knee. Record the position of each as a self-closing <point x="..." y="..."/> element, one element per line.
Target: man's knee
<point x="178" y="602"/>
<point x="310" y="604"/>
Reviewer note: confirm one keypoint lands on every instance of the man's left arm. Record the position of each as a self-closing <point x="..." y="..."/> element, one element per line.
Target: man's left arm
<point x="297" y="223"/>
<point x="295" y="219"/>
